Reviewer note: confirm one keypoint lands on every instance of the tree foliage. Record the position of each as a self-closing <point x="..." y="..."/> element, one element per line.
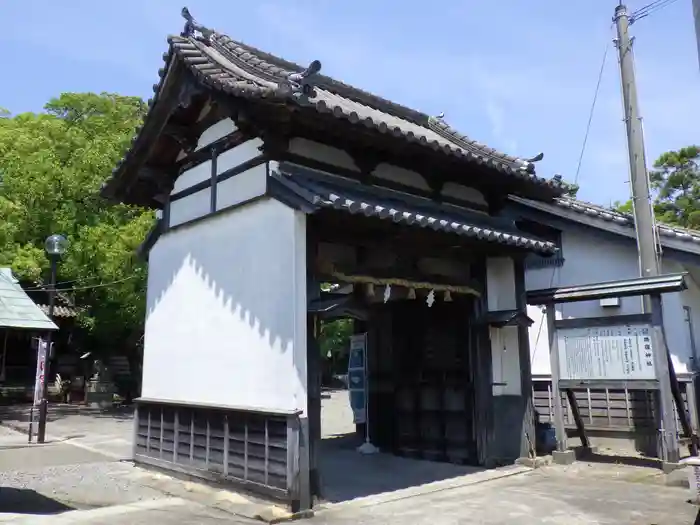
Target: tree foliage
<point x="675" y="184"/>
<point x="334" y="336"/>
<point x="52" y="165"/>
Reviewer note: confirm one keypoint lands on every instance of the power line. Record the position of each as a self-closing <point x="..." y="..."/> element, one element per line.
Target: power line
<point x="590" y="114"/>
<point x="649" y="9"/>
<point x="38" y="287"/>
<point x="81" y="288"/>
<point x="101" y="285"/>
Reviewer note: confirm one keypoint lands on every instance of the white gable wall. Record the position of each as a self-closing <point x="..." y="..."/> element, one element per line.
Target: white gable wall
<point x="226" y="321"/>
<point x="505" y="348"/>
<point x="234" y="190"/>
<point x="226" y="318"/>
<point x="590" y="258"/>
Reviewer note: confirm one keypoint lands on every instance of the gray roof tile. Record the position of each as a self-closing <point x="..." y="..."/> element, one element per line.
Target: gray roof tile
<point x="59" y="311"/>
<point x="605" y="214"/>
<point x="321" y="191"/>
<point x="241" y="70"/>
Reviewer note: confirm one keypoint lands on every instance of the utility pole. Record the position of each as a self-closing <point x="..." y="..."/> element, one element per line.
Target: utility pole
<point x="645" y="228"/>
<point x="643" y="212"/>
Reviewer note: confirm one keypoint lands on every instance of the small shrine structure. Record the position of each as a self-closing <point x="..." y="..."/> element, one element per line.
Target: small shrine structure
<point x="272" y="179"/>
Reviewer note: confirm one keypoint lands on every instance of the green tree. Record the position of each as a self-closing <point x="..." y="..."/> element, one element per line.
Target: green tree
<point x="334" y="336"/>
<point x="52" y="165"/>
<point x="676" y="182"/>
<point x="675" y="185"/>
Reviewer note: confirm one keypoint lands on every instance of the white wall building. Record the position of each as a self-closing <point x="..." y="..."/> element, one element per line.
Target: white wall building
<point x="598" y="245"/>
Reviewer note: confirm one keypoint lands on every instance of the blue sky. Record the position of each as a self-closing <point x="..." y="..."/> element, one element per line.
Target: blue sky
<point x="517" y="75"/>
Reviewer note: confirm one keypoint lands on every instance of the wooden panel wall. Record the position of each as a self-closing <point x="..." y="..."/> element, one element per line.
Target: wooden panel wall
<point x="605" y="409"/>
<point x="226" y="445"/>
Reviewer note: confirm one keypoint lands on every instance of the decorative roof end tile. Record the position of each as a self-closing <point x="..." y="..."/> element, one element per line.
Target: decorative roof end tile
<point x="194" y="29"/>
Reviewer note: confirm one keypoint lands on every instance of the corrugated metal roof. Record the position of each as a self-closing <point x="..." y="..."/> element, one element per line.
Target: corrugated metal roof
<point x="17" y="310"/>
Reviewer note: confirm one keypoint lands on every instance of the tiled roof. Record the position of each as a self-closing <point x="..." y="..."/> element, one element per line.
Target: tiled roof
<point x="316" y="190"/>
<point x="605" y="214"/>
<point x="240" y="70"/>
<point x="59" y="311"/>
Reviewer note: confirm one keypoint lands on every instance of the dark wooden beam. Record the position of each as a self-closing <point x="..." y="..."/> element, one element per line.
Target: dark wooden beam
<point x="496" y="201"/>
<point x="275" y="143"/>
<point x="158" y="179"/>
<point x="398" y="272"/>
<point x="367" y="178"/>
<point x="224" y="143"/>
<point x="358" y="230"/>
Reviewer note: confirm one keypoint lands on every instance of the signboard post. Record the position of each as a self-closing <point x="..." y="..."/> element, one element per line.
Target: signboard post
<point x="357" y="378"/>
<point x="621" y="352"/>
<point x="358" y="388"/>
<point x="616" y="352"/>
<point x="39" y="379"/>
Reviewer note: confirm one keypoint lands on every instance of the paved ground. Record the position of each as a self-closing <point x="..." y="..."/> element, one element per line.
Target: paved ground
<point x="551" y="495"/>
<point x="108" y="432"/>
<point x="78" y="478"/>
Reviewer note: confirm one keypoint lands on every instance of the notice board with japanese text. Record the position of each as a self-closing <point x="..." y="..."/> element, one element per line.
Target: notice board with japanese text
<point x="612" y="353"/>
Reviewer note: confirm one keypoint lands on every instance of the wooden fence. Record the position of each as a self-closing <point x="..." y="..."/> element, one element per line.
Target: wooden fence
<point x="612" y="410"/>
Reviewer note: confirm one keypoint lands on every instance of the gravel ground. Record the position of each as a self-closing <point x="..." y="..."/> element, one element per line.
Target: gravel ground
<point x="79" y="486"/>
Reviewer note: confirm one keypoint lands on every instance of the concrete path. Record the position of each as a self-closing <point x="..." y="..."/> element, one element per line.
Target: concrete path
<point x="106" y="431"/>
<point x="78" y="478"/>
<point x="550" y="495"/>
<point x="60" y="483"/>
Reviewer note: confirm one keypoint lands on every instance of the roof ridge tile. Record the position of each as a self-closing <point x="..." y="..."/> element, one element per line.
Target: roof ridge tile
<point x="607" y="214"/>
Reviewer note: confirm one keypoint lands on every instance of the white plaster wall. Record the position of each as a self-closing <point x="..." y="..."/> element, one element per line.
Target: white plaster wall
<point x="217" y="131"/>
<point x="505" y="350"/>
<point x="500" y="284"/>
<point x="226" y="321"/>
<point x="238" y="155"/>
<point x="383" y="171"/>
<point x="234" y="190"/>
<point x="591" y="258"/>
<point x="322" y="152"/>
<point x="464" y="193"/>
<point x="399" y="175"/>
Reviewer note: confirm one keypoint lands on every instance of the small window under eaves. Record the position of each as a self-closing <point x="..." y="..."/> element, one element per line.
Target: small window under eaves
<point x="542" y="231"/>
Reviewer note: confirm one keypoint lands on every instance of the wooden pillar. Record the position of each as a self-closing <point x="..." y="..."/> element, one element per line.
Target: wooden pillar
<point x="554" y="365"/>
<point x="313" y="365"/>
<point x="667" y="442"/>
<point x="481" y="375"/>
<point x="528" y="437"/>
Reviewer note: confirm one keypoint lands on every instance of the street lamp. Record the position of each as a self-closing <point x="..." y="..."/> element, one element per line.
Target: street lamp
<point x="55" y="246"/>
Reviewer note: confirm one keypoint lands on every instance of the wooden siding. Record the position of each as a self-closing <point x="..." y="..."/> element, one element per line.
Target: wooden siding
<point x="243" y="447"/>
<point x="614" y="410"/>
